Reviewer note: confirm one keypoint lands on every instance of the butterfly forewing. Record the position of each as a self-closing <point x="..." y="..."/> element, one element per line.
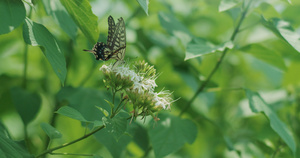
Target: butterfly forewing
<point x="111" y="31"/>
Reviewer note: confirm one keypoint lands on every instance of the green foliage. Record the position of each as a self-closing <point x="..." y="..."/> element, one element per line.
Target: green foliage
<point x="198" y="47"/>
<point x="12" y="15"/>
<point x="26" y="103"/>
<point x="37" y="35"/>
<point x="51" y="131"/>
<point x="72" y="113"/>
<point x="144" y="4"/>
<point x="187" y="95"/>
<point x="80" y="11"/>
<point x="257" y="104"/>
<point x="170" y="134"/>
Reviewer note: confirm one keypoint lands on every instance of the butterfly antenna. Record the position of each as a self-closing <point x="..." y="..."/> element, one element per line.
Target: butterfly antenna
<point x="91" y="51"/>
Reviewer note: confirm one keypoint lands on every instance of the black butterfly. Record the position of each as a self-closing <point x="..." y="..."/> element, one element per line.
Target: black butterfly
<point x="116" y="42"/>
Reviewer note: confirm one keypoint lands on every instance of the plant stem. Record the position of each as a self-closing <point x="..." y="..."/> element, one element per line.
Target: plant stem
<point x="25" y="66"/>
<point x="201" y="88"/>
<point x="72" y="142"/>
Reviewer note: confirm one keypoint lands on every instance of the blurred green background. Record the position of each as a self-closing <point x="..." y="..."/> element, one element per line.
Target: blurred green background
<point x="263" y="57"/>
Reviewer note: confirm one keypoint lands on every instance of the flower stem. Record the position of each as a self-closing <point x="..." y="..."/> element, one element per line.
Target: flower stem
<point x="201" y="88"/>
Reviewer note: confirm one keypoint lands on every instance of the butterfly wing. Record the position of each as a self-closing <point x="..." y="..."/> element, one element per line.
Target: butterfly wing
<point x="119" y="41"/>
<point x="111" y="32"/>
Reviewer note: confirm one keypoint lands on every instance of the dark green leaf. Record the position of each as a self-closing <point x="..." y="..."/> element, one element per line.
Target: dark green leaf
<point x="81" y="12"/>
<point x="72" y="113"/>
<point x="10" y="149"/>
<point x="26" y="103"/>
<point x="51" y="131"/>
<point x="115" y="147"/>
<point x="37" y="35"/>
<point x="61" y="16"/>
<point x="227" y="4"/>
<point x="140" y="136"/>
<point x="144" y="4"/>
<point x="170" y="134"/>
<point x="12" y="15"/>
<point x="198" y="47"/>
<point x="284" y="30"/>
<point x="257" y="105"/>
<point x="84" y="100"/>
<point x="265" y="54"/>
<point x="115" y="126"/>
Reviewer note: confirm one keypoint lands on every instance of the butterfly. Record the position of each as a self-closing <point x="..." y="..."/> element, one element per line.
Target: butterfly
<point x="115" y="46"/>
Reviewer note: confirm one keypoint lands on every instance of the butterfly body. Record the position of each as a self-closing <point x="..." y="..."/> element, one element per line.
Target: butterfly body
<point x="115" y="46"/>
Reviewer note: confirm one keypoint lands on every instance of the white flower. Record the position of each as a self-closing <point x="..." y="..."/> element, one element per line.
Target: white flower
<point x="141" y="90"/>
<point x="163" y="99"/>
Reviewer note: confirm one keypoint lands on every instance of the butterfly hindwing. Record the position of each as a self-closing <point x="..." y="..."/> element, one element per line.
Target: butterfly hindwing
<point x="119" y="40"/>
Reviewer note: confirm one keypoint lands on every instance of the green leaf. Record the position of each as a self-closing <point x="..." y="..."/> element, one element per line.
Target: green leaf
<point x="115" y="126"/>
<point x="198" y="47"/>
<point x="257" y="105"/>
<point x="85" y="100"/>
<point x="37" y="35"/>
<point x="227" y="4"/>
<point x="61" y="16"/>
<point x="106" y="114"/>
<point x="116" y="148"/>
<point x="140" y="135"/>
<point x="26" y="103"/>
<point x="170" y="133"/>
<point x="81" y="12"/>
<point x="12" y="15"/>
<point x="52" y="132"/>
<point x="265" y="54"/>
<point x="144" y="4"/>
<point x="174" y="27"/>
<point x="110" y="104"/>
<point x="284" y="31"/>
<point x="72" y="113"/>
<point x="9" y="148"/>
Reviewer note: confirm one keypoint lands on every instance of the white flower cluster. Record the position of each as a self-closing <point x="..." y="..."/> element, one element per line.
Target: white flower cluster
<point x="141" y="84"/>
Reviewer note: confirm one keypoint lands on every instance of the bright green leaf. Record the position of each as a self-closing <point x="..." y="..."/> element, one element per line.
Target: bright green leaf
<point x="12" y="15"/>
<point x="257" y="105"/>
<point x="115" y="126"/>
<point x="110" y="104"/>
<point x="170" y="133"/>
<point x="37" y="35"/>
<point x="144" y="4"/>
<point x="198" y="47"/>
<point x="284" y="30"/>
<point x="61" y="16"/>
<point x="26" y="103"/>
<point x="81" y="12"/>
<point x="227" y="4"/>
<point x="72" y="113"/>
<point x="52" y="132"/>
<point x="106" y="114"/>
<point x="267" y="10"/>
<point x="265" y="54"/>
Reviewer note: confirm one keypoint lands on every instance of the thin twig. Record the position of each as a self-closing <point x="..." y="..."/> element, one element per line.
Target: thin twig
<point x="201" y="88"/>
<point x="69" y="143"/>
